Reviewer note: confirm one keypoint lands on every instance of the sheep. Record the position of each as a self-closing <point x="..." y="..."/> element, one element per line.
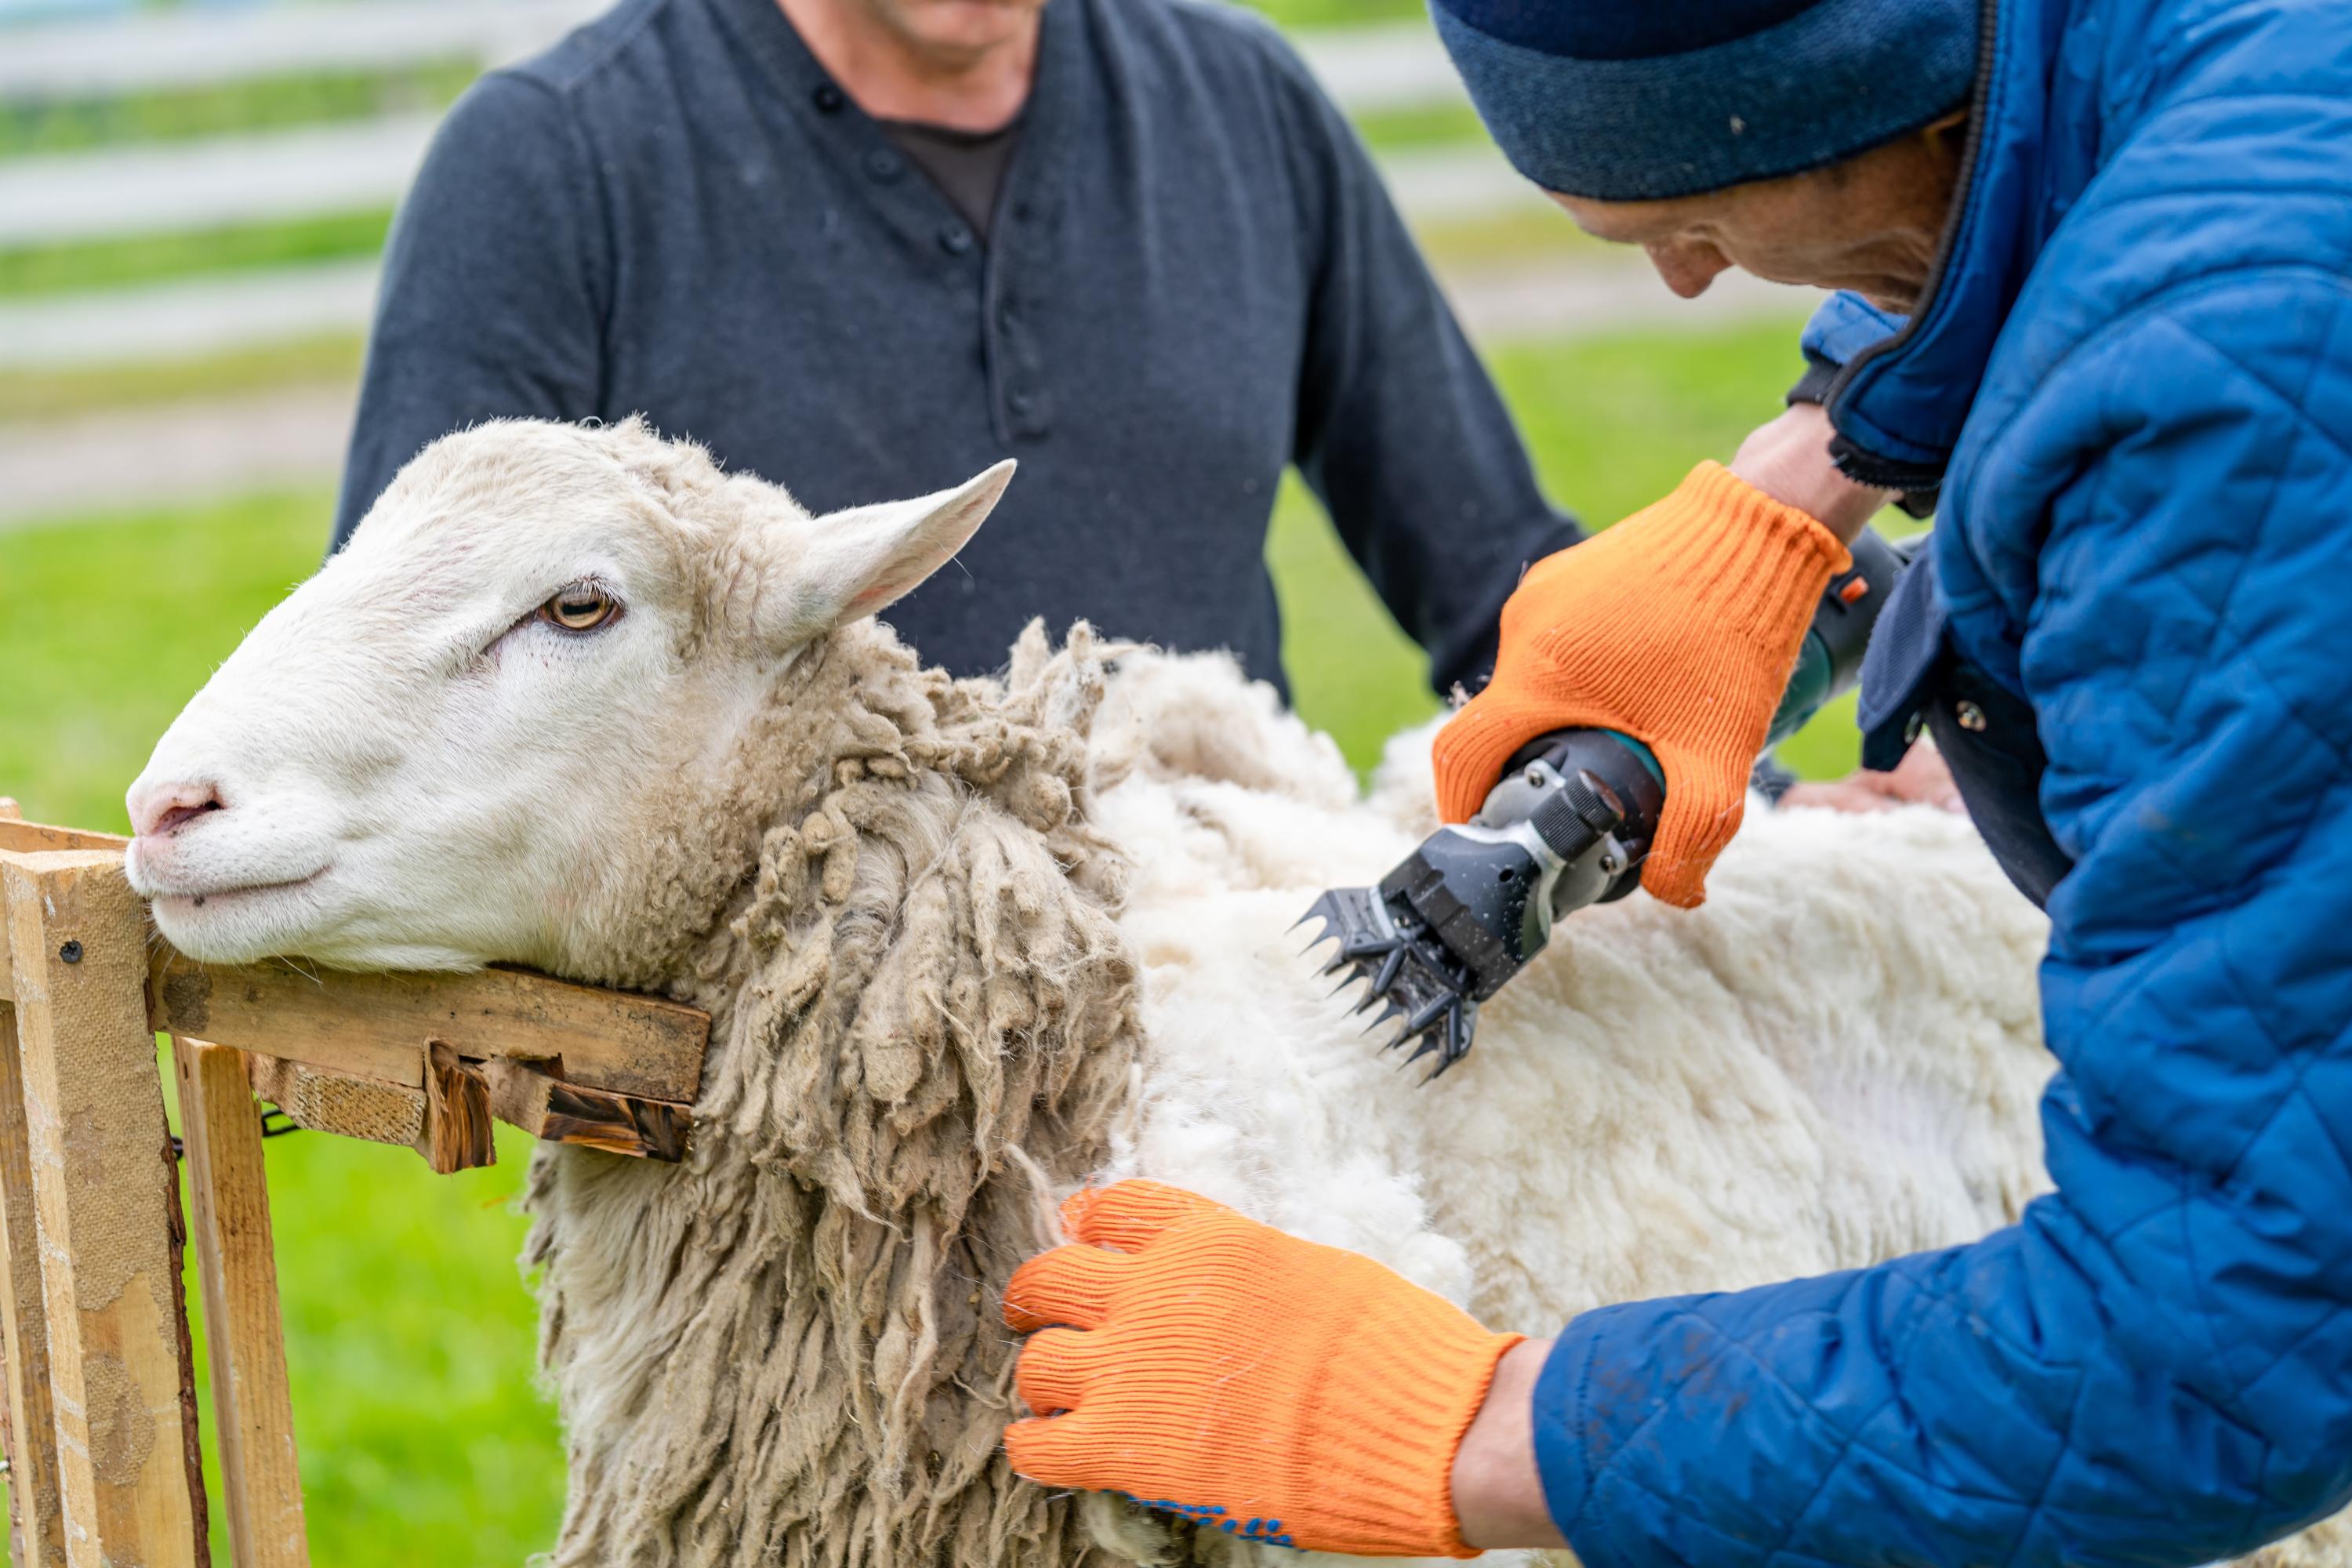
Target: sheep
<point x="575" y="698"/>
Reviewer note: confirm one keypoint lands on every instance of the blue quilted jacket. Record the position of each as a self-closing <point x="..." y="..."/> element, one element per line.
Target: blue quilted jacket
<point x="2135" y="372"/>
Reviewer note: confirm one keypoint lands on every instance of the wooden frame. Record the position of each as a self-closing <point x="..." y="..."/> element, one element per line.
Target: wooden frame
<point x="100" y="1422"/>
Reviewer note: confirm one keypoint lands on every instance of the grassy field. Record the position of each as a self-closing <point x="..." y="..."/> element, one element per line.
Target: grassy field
<point x="408" y="1328"/>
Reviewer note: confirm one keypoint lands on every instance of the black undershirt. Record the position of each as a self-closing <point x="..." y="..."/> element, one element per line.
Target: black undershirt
<point x="968" y="166"/>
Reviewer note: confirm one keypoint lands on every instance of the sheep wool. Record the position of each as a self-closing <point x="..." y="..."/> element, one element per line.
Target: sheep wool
<point x="789" y="1352"/>
<point x="968" y="945"/>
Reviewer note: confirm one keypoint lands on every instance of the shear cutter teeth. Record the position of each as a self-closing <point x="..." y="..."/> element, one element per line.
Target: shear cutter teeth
<point x="1382" y="948"/>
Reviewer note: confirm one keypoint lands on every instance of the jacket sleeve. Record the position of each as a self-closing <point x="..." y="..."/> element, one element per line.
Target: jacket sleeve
<point x="1401" y="433"/>
<point x="491" y="302"/>
<point x="2155" y="1365"/>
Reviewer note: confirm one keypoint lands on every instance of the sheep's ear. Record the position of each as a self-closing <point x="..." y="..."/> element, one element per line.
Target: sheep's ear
<point x="856" y="562"/>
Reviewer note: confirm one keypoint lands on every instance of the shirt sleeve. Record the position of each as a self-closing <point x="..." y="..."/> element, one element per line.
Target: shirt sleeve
<point x="1401" y="433"/>
<point x="492" y="298"/>
<point x="2155" y="1364"/>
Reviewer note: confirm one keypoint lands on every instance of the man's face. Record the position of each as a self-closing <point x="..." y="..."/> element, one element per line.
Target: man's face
<point x="1870" y="224"/>
<point x="949" y="28"/>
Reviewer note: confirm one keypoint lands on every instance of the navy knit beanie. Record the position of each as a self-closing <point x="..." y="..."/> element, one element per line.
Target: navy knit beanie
<point x="1644" y="100"/>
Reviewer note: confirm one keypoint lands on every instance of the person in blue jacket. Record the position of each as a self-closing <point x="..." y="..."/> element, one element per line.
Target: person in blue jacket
<point x="2101" y="260"/>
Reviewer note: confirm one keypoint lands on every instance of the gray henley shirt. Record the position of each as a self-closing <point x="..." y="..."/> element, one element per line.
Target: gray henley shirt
<point x="1193" y="279"/>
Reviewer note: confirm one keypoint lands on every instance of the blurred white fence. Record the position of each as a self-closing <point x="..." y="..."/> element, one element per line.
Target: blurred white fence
<point x="106" y="55"/>
<point x="224" y="182"/>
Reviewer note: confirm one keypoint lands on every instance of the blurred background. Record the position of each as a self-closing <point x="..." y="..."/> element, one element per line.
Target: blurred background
<point x="192" y="200"/>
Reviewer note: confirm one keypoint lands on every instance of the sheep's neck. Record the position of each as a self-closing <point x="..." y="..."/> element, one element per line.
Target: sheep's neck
<point x="685" y="865"/>
<point x="891" y="901"/>
<point x="924" y="1025"/>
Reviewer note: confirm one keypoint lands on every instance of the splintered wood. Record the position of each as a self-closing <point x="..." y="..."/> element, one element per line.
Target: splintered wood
<point x="533" y="1096"/>
<point x="106" y="1193"/>
<point x="548" y="1107"/>
<point x="456" y="1111"/>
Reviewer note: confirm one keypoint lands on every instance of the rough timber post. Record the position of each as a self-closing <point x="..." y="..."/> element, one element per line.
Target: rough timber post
<point x="37" y="1530"/>
<point x="37" y="1537"/>
<point x="229" y="1222"/>
<point x="106" y="1195"/>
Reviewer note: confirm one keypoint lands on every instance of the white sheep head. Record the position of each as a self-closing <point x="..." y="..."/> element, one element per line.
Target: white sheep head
<point x="436" y="752"/>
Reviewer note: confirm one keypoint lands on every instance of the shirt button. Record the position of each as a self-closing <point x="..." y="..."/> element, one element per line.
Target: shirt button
<point x="1971" y="717"/>
<point x="1007" y="318"/>
<point x="955" y="239"/>
<point x="883" y="165"/>
<point x="829" y="98"/>
<point x="1021" y="403"/>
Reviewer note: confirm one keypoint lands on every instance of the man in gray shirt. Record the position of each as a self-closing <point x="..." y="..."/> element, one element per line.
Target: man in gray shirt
<point x="867" y="247"/>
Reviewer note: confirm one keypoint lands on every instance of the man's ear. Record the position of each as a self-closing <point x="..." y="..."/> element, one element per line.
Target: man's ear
<point x="850" y="564"/>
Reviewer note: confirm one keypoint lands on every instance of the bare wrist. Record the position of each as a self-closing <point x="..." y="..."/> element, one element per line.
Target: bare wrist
<point x="1499" y="1498"/>
<point x="1789" y="460"/>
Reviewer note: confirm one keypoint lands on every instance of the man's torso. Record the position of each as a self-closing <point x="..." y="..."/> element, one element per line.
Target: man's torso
<point x="785" y="285"/>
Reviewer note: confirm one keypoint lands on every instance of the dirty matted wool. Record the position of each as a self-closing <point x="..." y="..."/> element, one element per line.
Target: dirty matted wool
<point x="787" y="1350"/>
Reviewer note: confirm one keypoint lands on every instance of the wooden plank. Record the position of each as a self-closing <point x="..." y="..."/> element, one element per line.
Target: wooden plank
<point x="220" y="1129"/>
<point x="22" y="838"/>
<point x="456" y="1112"/>
<point x="40" y="837"/>
<point x="548" y="1107"/>
<point x="323" y="1101"/>
<point x="105" y="1193"/>
<point x="37" y="1526"/>
<point x="372" y="1026"/>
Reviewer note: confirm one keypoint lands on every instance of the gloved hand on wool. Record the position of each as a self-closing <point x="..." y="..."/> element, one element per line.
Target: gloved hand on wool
<point x="1678" y="628"/>
<point x="1213" y="1367"/>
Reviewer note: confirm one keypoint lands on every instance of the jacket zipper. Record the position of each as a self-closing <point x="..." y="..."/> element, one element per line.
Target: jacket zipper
<point x="1856" y="461"/>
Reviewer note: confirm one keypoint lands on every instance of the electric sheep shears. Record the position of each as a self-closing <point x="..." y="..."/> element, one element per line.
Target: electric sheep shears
<point x="1568" y="825"/>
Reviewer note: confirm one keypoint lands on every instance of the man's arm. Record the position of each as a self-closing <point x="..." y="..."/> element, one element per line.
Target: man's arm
<point x="1400" y="432"/>
<point x="2155" y="1364"/>
<point x="1499" y="1497"/>
<point x="494" y="286"/>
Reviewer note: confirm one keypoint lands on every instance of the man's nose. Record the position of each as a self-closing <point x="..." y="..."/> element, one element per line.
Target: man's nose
<point x="159" y="808"/>
<point x="1689" y="267"/>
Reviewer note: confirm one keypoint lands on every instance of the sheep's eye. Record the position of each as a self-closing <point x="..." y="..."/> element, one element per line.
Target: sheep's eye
<point x="580" y="607"/>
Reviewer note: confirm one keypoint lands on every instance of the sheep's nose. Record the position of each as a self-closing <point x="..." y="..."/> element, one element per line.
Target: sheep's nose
<point x="158" y="809"/>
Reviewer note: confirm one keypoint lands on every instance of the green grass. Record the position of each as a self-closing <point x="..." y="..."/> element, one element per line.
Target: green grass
<point x="1340" y="13"/>
<point x="112" y="263"/>
<point x="108" y="626"/>
<point x="32" y="126"/>
<point x="408" y="1333"/>
<point x="409" y="1344"/>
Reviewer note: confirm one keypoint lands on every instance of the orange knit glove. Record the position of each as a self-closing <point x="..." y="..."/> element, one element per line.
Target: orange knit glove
<point x="1256" y="1383"/>
<point x="1679" y="627"/>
